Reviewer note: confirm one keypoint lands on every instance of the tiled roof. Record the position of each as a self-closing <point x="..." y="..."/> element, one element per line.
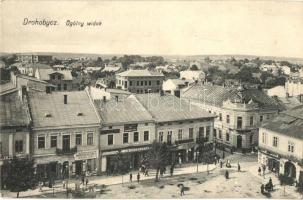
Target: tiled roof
<point x="215" y="95"/>
<point x="14" y="112"/>
<point x="127" y="111"/>
<point x="170" y="108"/>
<point x="288" y="123"/>
<point x="61" y="114"/>
<point x="140" y="73"/>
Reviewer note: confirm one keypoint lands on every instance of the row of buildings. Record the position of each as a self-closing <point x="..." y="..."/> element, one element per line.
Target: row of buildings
<point x="69" y="133"/>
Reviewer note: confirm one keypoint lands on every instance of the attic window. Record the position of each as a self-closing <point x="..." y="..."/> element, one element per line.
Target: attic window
<point x="48" y="115"/>
<point x="79" y="114"/>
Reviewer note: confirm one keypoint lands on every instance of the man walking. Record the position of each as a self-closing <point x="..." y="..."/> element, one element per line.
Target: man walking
<point x="86" y="182"/>
<point x="182" y="190"/>
<point x="259" y="171"/>
<point x="239" y="167"/>
<point x="131" y="177"/>
<point x="226" y="175"/>
<point x="138" y="177"/>
<point x="172" y="170"/>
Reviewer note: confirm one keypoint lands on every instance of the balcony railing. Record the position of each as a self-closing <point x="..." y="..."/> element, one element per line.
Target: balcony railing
<point x="66" y="151"/>
<point x="184" y="141"/>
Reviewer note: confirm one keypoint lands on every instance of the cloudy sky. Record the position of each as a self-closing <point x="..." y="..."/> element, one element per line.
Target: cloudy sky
<point x="272" y="28"/>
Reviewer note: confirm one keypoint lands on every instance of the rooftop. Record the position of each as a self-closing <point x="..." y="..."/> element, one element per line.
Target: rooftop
<point x="216" y="95"/>
<point x="137" y="73"/>
<point x="44" y="74"/>
<point x="170" y="108"/>
<point x="14" y="112"/>
<point x="288" y="123"/>
<point x="49" y="110"/>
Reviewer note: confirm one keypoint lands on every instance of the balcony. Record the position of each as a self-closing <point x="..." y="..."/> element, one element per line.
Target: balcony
<point x="184" y="141"/>
<point x="69" y="151"/>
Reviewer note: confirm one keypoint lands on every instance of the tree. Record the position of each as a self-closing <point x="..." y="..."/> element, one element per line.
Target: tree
<point x="21" y="175"/>
<point x="194" y="68"/>
<point x="121" y="164"/>
<point x="157" y="157"/>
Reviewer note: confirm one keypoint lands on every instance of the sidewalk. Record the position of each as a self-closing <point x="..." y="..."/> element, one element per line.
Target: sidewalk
<point x="112" y="180"/>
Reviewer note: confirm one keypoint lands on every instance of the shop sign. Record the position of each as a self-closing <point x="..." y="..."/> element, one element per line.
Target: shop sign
<point x="110" y="131"/>
<point x="85" y="155"/>
<point x="125" y="151"/>
<point x="130" y="127"/>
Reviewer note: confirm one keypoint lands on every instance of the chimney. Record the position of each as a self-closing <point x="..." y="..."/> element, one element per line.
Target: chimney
<point x="65" y="99"/>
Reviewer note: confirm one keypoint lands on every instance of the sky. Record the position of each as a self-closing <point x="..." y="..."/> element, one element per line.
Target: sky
<point x="263" y="28"/>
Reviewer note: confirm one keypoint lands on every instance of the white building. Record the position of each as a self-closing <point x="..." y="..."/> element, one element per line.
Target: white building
<point x="174" y="86"/>
<point x="192" y="75"/>
<point x="281" y="144"/>
<point x="294" y="86"/>
<point x="278" y="91"/>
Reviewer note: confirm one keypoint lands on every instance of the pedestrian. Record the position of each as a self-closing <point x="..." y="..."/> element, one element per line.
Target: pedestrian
<point x="271" y="186"/>
<point x="226" y="175"/>
<point x="180" y="162"/>
<point x="171" y="170"/>
<point x="82" y="179"/>
<point x="263" y="168"/>
<point x="63" y="184"/>
<point x="138" y="177"/>
<point x="221" y="163"/>
<point x="40" y="186"/>
<point x="259" y="171"/>
<point x="182" y="190"/>
<point x="239" y="167"/>
<point x="262" y="189"/>
<point x="146" y="172"/>
<point x="131" y="177"/>
<point x="164" y="170"/>
<point x="86" y="182"/>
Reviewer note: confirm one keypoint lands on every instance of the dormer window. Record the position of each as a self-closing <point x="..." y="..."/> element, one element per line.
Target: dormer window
<point x="47" y="115"/>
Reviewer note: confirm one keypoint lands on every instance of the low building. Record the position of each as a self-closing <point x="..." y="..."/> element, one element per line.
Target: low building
<point x="63" y="80"/>
<point x="174" y="86"/>
<point x="294" y="86"/>
<point x="139" y="81"/>
<point x="178" y="123"/>
<point x="31" y="58"/>
<point x="65" y="134"/>
<point x="278" y="91"/>
<point x="192" y="75"/>
<point x="128" y="128"/>
<point x="30" y="68"/>
<point x="15" y="121"/>
<point x="240" y="112"/>
<point x="281" y="144"/>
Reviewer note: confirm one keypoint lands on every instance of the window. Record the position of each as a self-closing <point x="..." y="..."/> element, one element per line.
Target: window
<point x="59" y="77"/>
<point x="136" y="136"/>
<point x="65" y="86"/>
<point x="251" y="120"/>
<point x="264" y="138"/>
<point x="180" y="132"/>
<point x="145" y="83"/>
<point x="207" y="132"/>
<point x="227" y="137"/>
<point x="142" y="83"/>
<point x="227" y="119"/>
<point x="53" y="141"/>
<point x="125" y="138"/>
<point x="41" y="142"/>
<point x="215" y="133"/>
<point x="125" y="84"/>
<point x="78" y="139"/>
<point x="261" y="118"/>
<point x="158" y="82"/>
<point x="201" y="132"/>
<point x="220" y="116"/>
<point x="161" y="136"/>
<point x="251" y="139"/>
<point x="220" y="134"/>
<point x="19" y="146"/>
<point x="110" y="139"/>
<point x="267" y="116"/>
<point x="149" y="82"/>
<point x="275" y="142"/>
<point x="90" y="139"/>
<point x="191" y="133"/>
<point x="59" y="87"/>
<point x="291" y="147"/>
<point x="146" y="135"/>
<point x="169" y="135"/>
<point x="239" y="122"/>
<point x="138" y="83"/>
<point x="130" y="83"/>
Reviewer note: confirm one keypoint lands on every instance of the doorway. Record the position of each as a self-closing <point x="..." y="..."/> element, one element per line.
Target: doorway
<point x="239" y="141"/>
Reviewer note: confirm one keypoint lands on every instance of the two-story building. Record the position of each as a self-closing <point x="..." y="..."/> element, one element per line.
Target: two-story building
<point x="240" y="112"/>
<point x="65" y="134"/>
<point x="63" y="80"/>
<point x="128" y="128"/>
<point x="140" y="81"/>
<point x="281" y="144"/>
<point x="14" y="128"/>
<point x="178" y="123"/>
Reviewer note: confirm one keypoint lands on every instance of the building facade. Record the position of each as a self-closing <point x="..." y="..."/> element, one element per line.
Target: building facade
<point x="140" y="81"/>
<point x="281" y="144"/>
<point x="239" y="113"/>
<point x="65" y="134"/>
<point x="29" y="58"/>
